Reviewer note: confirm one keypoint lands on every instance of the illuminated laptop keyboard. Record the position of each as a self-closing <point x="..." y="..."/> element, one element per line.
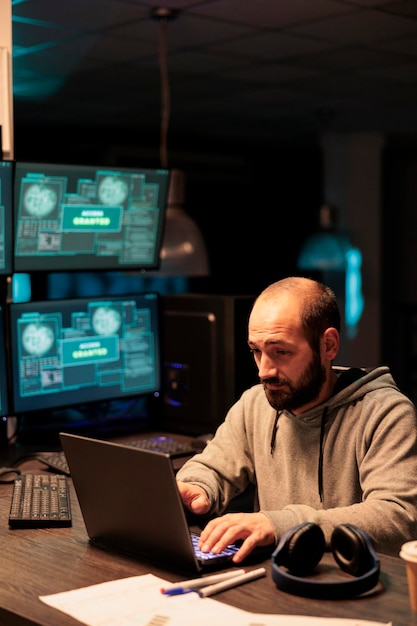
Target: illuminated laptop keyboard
<point x="40" y="500"/>
<point x="168" y="445"/>
<point x="224" y="555"/>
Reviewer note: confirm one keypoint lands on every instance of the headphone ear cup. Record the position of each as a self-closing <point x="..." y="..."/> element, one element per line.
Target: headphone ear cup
<point x="351" y="551"/>
<point x="303" y="548"/>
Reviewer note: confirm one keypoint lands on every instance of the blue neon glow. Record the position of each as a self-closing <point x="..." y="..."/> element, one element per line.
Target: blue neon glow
<point x="354" y="302"/>
<point x="333" y="252"/>
<point x="21" y="288"/>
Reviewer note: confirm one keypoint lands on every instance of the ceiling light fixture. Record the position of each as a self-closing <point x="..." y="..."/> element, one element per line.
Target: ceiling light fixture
<point x="183" y="251"/>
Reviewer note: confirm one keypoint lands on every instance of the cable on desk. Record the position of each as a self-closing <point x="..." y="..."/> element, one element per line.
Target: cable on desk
<point x="12" y="472"/>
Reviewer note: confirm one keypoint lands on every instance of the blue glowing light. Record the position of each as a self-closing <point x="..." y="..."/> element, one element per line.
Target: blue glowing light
<point x="326" y="252"/>
<point x="354" y="302"/>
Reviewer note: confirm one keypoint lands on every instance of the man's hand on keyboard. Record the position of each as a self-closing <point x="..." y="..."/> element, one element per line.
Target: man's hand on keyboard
<point x="194" y="497"/>
<point x="252" y="529"/>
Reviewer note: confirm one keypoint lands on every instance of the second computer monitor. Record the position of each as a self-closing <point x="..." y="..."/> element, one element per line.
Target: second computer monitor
<point x="69" y="352"/>
<point x="81" y="218"/>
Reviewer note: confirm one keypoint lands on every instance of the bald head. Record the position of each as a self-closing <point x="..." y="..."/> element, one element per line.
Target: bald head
<point x="312" y="305"/>
<point x="298" y="286"/>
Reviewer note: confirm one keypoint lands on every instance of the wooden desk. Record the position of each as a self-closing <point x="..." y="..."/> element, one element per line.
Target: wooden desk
<point x="36" y="562"/>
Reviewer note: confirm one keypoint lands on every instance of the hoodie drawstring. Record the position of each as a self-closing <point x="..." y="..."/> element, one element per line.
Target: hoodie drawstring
<point x="274" y="433"/>
<point x="320" y="465"/>
<point x="320" y="468"/>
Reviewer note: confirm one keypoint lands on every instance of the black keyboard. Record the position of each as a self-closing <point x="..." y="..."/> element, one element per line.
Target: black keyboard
<point x="56" y="461"/>
<point x="40" y="500"/>
<point x="168" y="445"/>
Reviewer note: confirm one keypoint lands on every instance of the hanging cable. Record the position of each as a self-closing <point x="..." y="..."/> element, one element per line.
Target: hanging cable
<point x="183" y="251"/>
<point x="165" y="93"/>
<point x="163" y="15"/>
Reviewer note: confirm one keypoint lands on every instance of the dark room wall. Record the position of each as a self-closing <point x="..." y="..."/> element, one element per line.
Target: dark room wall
<point x="399" y="243"/>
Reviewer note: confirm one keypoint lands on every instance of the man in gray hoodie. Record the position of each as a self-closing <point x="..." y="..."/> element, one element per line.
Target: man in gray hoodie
<point x="320" y="443"/>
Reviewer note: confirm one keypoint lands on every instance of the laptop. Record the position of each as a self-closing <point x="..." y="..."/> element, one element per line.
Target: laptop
<point x="130" y="503"/>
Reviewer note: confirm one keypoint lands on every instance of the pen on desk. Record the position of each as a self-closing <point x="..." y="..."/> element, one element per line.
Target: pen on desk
<point x="232" y="582"/>
<point x="196" y="583"/>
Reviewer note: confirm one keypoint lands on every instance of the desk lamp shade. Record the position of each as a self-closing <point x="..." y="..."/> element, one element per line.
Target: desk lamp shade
<point x="183" y="250"/>
<point x="325" y="250"/>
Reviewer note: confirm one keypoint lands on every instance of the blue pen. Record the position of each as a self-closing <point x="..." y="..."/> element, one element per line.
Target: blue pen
<point x="176" y="591"/>
<point x="186" y="586"/>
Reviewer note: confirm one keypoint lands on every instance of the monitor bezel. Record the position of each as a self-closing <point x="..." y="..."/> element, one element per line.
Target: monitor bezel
<point x="4" y="380"/>
<point x="7" y="268"/>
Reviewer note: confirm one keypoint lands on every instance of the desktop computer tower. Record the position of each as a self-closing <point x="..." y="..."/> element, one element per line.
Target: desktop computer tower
<point x="206" y="362"/>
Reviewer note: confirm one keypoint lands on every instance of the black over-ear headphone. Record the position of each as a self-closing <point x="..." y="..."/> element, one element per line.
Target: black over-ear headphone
<point x="301" y="548"/>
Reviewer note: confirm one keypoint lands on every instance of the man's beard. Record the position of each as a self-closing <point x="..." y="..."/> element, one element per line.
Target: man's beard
<point x="291" y="397"/>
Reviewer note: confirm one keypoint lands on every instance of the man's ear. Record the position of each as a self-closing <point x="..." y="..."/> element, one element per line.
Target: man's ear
<point x="331" y="339"/>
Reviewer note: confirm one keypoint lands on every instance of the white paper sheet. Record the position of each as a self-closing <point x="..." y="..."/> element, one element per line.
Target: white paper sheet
<point x="138" y="601"/>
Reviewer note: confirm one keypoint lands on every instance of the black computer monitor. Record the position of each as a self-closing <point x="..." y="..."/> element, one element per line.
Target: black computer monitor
<point x="85" y="218"/>
<point x="6" y="217"/>
<point x="86" y="350"/>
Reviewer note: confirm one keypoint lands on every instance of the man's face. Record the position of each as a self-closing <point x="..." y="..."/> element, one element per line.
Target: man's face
<point x="292" y="374"/>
